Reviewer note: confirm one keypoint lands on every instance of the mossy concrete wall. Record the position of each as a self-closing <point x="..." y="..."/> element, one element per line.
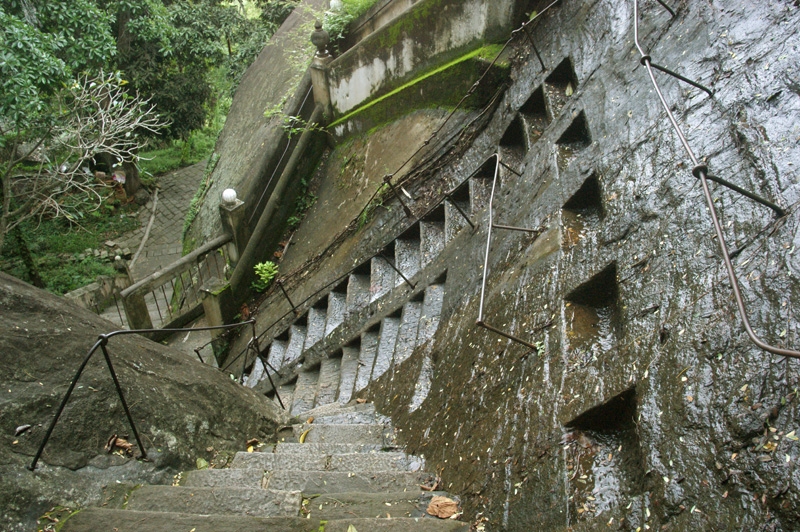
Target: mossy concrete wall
<point x="429" y="34"/>
<point x="251" y="145"/>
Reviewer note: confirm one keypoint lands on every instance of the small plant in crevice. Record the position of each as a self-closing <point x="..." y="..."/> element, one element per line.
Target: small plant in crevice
<point x="265" y="273"/>
<point x="377" y="201"/>
<point x="291" y="125"/>
<point x="303" y="202"/>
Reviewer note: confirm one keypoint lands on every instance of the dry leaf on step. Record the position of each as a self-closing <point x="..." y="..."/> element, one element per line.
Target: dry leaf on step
<point x="361" y="401"/>
<point x="443" y="507"/>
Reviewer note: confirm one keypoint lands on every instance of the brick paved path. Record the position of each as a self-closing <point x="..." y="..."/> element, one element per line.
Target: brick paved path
<point x="164" y="245"/>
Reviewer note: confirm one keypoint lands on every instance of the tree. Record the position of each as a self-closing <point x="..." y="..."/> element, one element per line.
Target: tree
<point x="91" y="116"/>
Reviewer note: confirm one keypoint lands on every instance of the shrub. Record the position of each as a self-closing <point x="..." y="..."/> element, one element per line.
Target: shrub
<point x="266" y="272"/>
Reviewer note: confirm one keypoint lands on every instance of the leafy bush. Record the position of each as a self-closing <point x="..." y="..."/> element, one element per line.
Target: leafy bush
<point x="336" y="22"/>
<point x="266" y="272"/>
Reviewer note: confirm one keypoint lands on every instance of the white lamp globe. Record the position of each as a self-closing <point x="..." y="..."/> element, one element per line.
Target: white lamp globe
<point x="229" y="196"/>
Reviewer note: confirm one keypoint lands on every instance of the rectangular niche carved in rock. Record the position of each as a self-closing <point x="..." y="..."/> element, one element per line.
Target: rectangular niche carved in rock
<point x="582" y="212"/>
<point x="560" y="85"/>
<point x="534" y="115"/>
<point x="576" y="138"/>
<point x="592" y="317"/>
<point x="603" y="460"/>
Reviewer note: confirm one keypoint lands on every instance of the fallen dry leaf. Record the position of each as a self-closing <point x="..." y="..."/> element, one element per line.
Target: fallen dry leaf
<point x="310" y="420"/>
<point x="118" y="443"/>
<point x="361" y="401"/>
<point x="253" y="442"/>
<point x="442" y="507"/>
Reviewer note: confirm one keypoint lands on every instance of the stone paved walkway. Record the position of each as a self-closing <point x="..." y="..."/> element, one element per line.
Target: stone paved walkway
<point x="164" y="244"/>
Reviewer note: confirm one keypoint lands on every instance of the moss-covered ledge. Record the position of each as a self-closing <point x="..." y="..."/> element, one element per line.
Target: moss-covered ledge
<point x="431" y="34"/>
<point x="440" y="87"/>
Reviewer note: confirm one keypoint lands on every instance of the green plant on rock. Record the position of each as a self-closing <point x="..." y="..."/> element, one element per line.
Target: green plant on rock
<point x="266" y="272"/>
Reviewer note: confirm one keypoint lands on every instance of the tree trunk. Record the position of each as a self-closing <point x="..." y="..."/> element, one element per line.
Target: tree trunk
<point x="24" y="252"/>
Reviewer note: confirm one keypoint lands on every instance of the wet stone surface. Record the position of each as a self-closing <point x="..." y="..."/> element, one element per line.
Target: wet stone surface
<point x="624" y="294"/>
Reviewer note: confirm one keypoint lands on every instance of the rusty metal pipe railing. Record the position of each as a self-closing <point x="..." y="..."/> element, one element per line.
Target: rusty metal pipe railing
<point x="480" y="322"/>
<point x="101" y="343"/>
<point x="701" y="172"/>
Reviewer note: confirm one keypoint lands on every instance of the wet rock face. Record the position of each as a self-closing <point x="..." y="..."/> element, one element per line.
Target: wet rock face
<point x="181" y="408"/>
<point x="644" y="404"/>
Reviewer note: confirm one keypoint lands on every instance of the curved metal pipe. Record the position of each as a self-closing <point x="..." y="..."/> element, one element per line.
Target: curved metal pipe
<point x="701" y="172"/>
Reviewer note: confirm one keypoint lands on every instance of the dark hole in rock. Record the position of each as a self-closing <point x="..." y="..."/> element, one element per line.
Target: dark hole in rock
<point x="412" y="233"/>
<point x="603" y="461"/>
<point x="362" y="269"/>
<point x="591" y="317"/>
<point x="574" y="139"/>
<point x="582" y="211"/>
<point x="514" y="144"/>
<point x="534" y="116"/>
<point x="436" y="215"/>
<point x="341" y="288"/>
<point x="560" y="85"/>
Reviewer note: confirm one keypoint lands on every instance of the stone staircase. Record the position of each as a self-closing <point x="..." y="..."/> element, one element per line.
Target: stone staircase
<point x="347" y="475"/>
<point x="312" y="370"/>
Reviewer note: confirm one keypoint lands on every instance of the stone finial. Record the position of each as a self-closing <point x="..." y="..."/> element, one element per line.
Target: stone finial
<point x="320" y="39"/>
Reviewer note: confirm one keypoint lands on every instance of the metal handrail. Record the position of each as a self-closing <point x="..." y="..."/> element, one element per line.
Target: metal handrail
<point x="700" y="171"/>
<point x="101" y="343"/>
<point x="481" y="322"/>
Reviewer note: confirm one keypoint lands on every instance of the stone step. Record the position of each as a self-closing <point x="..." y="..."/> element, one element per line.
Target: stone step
<point x="358" y="291"/>
<point x="256" y="374"/>
<point x="407" y="334"/>
<point x="347" y="463"/>
<point x="217" y="500"/>
<point x="317" y="318"/>
<point x="480" y="191"/>
<point x="431" y="310"/>
<point x="431" y="239"/>
<point x="286" y="392"/>
<point x="347" y="374"/>
<point x="325" y="448"/>
<point x="277" y="351"/>
<point x="366" y="359"/>
<point x="102" y="519"/>
<point x="337" y="308"/>
<point x="359" y="434"/>
<point x="390" y="326"/>
<point x="342" y="505"/>
<point x="313" y="482"/>
<point x="337" y="409"/>
<point x="305" y="390"/>
<point x="328" y="385"/>
<point x="454" y="221"/>
<point x="297" y="339"/>
<point x="382" y="275"/>
<point x="407" y="253"/>
<point x="229" y="478"/>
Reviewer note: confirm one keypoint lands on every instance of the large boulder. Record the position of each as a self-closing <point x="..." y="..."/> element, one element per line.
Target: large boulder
<point x="183" y="409"/>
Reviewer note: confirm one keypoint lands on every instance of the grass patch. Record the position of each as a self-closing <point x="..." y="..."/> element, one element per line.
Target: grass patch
<point x="56" y="246"/>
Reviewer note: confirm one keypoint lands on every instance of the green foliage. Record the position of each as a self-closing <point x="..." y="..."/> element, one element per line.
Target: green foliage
<point x="304" y="201"/>
<point x="199" y="196"/>
<point x="336" y="22"/>
<point x="265" y="273"/>
<point x="377" y="201"/>
<point x="56" y="242"/>
<point x="44" y="44"/>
